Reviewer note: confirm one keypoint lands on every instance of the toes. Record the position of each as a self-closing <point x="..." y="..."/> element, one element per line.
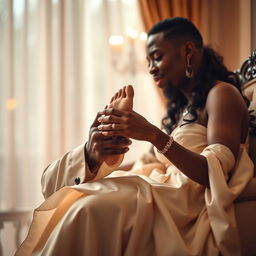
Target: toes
<point x="116" y="96"/>
<point x="129" y="91"/>
<point x="119" y="93"/>
<point x="123" y="92"/>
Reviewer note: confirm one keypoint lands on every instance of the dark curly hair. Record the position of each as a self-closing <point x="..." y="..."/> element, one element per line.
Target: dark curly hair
<point x="212" y="70"/>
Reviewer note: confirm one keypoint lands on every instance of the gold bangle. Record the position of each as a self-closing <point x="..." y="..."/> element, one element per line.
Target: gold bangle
<point x="167" y="146"/>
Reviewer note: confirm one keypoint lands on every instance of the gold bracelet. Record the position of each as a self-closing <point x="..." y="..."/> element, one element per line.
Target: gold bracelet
<point x="167" y="146"/>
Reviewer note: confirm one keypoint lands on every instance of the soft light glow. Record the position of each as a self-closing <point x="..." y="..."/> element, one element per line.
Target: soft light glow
<point x="132" y="33"/>
<point x="11" y="104"/>
<point x="55" y="1"/>
<point x="18" y="7"/>
<point x="128" y="2"/>
<point x="116" y="40"/>
<point x="143" y="36"/>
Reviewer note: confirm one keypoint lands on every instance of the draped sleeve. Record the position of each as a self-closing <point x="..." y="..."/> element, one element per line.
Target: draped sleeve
<point x="220" y="195"/>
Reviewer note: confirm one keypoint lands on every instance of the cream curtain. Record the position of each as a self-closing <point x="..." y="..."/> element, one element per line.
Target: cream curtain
<point x="226" y="26"/>
<point x="153" y="11"/>
<point x="58" y="69"/>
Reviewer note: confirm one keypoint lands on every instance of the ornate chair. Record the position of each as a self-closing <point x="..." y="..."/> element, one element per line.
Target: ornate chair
<point x="245" y="205"/>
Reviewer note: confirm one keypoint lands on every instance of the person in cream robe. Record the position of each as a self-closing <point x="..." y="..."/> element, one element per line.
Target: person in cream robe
<point x="179" y="201"/>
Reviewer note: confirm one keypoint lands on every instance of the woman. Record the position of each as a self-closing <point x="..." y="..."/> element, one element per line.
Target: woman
<point x="180" y="204"/>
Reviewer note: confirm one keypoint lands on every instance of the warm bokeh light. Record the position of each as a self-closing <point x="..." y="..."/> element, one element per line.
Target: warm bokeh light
<point x="132" y="33"/>
<point x="128" y="1"/>
<point x="143" y="36"/>
<point x="116" y="40"/>
<point x="11" y="104"/>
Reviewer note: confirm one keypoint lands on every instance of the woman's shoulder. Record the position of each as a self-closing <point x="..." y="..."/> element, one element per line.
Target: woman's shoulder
<point x="225" y="93"/>
<point x="222" y="87"/>
<point x="227" y="111"/>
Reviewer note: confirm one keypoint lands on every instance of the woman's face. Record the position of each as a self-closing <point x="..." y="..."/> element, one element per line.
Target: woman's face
<point x="167" y="62"/>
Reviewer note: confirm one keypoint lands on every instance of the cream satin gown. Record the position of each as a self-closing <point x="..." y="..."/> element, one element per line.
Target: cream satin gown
<point x="152" y="210"/>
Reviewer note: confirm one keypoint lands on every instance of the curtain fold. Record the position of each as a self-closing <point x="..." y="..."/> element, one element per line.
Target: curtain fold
<point x="153" y="11"/>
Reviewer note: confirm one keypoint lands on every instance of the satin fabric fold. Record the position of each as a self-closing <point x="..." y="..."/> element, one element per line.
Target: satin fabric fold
<point x="221" y="195"/>
<point x="152" y="210"/>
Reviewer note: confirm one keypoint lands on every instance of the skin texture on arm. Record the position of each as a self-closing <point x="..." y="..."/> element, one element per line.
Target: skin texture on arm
<point x="227" y="117"/>
<point x="195" y="165"/>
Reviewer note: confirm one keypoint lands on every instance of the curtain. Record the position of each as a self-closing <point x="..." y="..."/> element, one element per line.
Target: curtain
<point x="153" y="11"/>
<point x="226" y="27"/>
<point x="58" y="67"/>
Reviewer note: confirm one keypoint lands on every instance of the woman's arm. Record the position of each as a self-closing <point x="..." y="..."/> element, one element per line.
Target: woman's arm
<point x="191" y="164"/>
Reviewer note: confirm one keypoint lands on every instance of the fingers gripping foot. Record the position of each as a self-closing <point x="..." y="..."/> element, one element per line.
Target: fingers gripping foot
<point x="122" y="100"/>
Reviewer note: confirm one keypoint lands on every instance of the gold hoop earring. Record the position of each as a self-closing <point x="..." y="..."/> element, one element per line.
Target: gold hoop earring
<point x="189" y="72"/>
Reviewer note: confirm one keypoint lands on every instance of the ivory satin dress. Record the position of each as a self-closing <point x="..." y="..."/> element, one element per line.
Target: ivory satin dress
<point x="151" y="210"/>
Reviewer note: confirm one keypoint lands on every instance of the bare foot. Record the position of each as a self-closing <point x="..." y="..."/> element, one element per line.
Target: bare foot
<point x="122" y="100"/>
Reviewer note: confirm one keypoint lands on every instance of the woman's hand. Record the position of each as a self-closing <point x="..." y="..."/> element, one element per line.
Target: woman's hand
<point x="100" y="147"/>
<point x="128" y="124"/>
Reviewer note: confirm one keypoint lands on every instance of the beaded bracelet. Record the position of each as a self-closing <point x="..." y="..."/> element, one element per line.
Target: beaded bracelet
<point x="167" y="146"/>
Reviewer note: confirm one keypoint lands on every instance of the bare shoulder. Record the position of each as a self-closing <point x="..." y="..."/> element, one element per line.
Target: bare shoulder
<point x="227" y="116"/>
<point x="225" y="95"/>
<point x="224" y="89"/>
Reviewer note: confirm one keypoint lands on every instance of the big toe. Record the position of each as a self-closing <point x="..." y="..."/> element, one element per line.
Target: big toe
<point x="129" y="91"/>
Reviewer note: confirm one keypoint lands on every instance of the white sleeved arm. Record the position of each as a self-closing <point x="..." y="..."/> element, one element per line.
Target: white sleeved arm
<point x="69" y="170"/>
<point x="72" y="169"/>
